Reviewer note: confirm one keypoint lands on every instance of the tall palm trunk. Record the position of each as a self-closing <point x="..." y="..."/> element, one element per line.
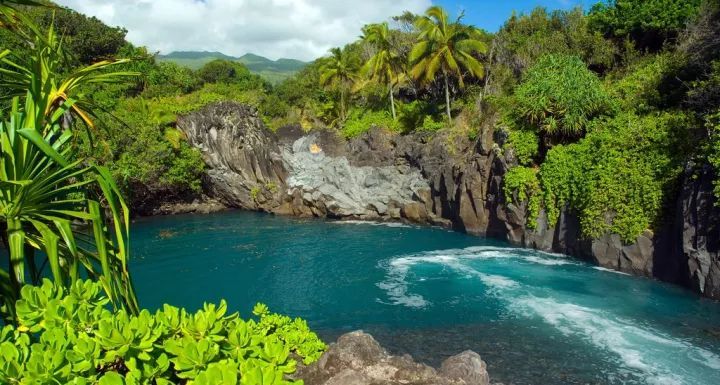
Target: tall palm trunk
<point x="447" y="98"/>
<point x="392" y="103"/>
<point x="342" y="104"/>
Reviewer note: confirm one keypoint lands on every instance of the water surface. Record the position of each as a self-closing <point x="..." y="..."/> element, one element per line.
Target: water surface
<point x="535" y="318"/>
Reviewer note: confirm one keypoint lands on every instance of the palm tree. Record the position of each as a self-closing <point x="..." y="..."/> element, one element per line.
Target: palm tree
<point x="339" y="70"/>
<point x="447" y="47"/>
<point x="386" y="65"/>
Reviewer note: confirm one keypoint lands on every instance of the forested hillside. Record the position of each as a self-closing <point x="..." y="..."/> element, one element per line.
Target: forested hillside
<point x="602" y="109"/>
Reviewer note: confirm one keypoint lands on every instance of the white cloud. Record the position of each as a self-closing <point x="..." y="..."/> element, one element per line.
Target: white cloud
<point x="301" y="29"/>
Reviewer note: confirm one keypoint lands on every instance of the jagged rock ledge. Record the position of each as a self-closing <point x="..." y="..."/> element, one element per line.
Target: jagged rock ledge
<point x="357" y="359"/>
<point x="440" y="180"/>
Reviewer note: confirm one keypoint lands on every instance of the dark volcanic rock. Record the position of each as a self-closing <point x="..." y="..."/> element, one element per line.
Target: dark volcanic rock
<point x="357" y="359"/>
<point x="245" y="168"/>
<point x="697" y="223"/>
<point x="440" y="179"/>
<point x="204" y="205"/>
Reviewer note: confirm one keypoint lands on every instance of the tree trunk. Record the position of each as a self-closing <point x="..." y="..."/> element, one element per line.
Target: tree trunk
<point x="342" y="105"/>
<point x="392" y="103"/>
<point x="447" y="98"/>
<point x="488" y="74"/>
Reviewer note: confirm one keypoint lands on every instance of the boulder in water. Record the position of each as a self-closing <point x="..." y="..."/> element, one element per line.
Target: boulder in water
<point x="357" y="359"/>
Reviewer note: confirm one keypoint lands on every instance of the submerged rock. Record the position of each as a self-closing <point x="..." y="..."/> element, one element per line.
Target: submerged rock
<point x="357" y="359"/>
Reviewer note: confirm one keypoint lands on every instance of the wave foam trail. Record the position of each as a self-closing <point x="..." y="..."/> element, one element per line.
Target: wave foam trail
<point x="644" y="354"/>
<point x="372" y="223"/>
<point x="396" y="282"/>
<point x="654" y="357"/>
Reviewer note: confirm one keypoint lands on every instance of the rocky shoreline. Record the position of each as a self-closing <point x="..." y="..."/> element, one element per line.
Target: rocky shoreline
<point x="439" y="180"/>
<point x="357" y="359"/>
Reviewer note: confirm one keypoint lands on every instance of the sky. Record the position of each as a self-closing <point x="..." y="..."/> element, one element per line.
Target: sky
<point x="297" y="29"/>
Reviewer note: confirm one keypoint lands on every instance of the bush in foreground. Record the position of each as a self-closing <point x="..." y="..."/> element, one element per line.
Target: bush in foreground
<point x="70" y="337"/>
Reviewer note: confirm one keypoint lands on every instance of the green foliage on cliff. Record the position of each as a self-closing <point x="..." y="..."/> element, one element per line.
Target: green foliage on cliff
<point x="639" y="87"/>
<point x="361" y="121"/>
<point x="68" y="336"/>
<point x="559" y="96"/>
<point x="713" y="126"/>
<point x="522" y="186"/>
<point x="649" y="22"/>
<point x="618" y="177"/>
<point x="525" y="145"/>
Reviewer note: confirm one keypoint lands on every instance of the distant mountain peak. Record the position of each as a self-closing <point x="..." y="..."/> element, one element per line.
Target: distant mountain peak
<point x="273" y="70"/>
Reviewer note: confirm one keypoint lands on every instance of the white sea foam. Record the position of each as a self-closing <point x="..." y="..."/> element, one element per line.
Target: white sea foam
<point x="552" y="261"/>
<point x="372" y="223"/>
<point x="647" y="354"/>
<point x="652" y="355"/>
<point x="396" y="284"/>
<point x="609" y="270"/>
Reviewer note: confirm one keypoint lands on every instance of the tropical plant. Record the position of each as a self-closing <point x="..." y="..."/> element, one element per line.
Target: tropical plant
<point x="450" y="48"/>
<point x="53" y="206"/>
<point x="649" y="22"/>
<point x="616" y="180"/>
<point x="41" y="74"/>
<point x="68" y="336"/>
<point x="386" y="66"/>
<point x="339" y="71"/>
<point x="10" y="18"/>
<point x="559" y="96"/>
<point x="51" y="213"/>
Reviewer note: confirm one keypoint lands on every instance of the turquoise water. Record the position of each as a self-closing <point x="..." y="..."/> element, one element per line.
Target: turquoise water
<point x="535" y="318"/>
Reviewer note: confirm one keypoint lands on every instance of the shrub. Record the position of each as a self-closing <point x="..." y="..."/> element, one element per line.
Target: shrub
<point x="417" y="114"/>
<point x="525" y="145"/>
<point x="431" y="124"/>
<point x="224" y="71"/>
<point x="619" y="177"/>
<point x="650" y="22"/>
<point x="713" y="126"/>
<point x="361" y="121"/>
<point x="641" y="88"/>
<point x="69" y="337"/>
<point x="559" y="95"/>
<point x="522" y="185"/>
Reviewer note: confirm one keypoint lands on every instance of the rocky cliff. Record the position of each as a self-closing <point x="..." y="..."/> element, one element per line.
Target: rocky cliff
<point x="440" y="180"/>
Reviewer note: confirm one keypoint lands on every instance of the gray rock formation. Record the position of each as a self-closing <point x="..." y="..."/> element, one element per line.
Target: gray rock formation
<point x="440" y="179"/>
<point x="357" y="359"/>
<point x="331" y="185"/>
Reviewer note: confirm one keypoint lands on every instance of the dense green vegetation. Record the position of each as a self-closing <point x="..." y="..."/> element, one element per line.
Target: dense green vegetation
<point x="68" y="336"/>
<point x="51" y="212"/>
<point x="608" y="138"/>
<point x="61" y="211"/>
<point x="578" y="96"/>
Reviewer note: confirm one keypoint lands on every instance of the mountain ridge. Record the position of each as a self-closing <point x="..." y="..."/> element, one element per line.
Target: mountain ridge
<point x="272" y="70"/>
